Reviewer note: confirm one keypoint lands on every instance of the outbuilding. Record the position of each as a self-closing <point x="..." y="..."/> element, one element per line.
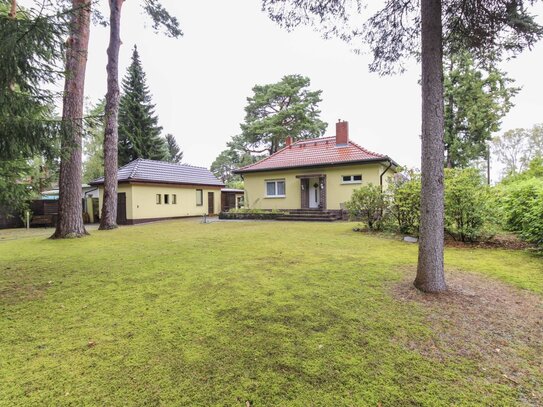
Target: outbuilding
<point x="150" y="190"/>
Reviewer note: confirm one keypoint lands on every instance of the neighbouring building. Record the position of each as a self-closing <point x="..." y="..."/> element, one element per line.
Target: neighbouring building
<point x="314" y="174"/>
<point x="151" y="190"/>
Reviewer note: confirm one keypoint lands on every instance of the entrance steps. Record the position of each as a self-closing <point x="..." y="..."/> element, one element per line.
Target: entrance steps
<point x="311" y="215"/>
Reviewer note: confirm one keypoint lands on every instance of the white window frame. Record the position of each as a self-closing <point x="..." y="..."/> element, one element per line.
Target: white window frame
<point x="352" y="180"/>
<point x="275" y="181"/>
<point x="199" y="197"/>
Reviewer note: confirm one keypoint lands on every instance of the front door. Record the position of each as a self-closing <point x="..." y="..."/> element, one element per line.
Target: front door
<point x="210" y="203"/>
<point x="121" y="208"/>
<point x="314" y="193"/>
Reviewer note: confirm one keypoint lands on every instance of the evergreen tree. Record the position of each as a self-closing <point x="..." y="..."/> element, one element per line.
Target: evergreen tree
<point x="476" y="99"/>
<point x="139" y="132"/>
<point x="174" y="151"/>
<point x="278" y="110"/>
<point x="31" y="61"/>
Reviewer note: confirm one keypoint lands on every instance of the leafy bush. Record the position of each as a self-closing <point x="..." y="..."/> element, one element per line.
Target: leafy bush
<point x="469" y="215"/>
<point x="522" y="204"/>
<point x="404" y="196"/>
<point x="368" y="204"/>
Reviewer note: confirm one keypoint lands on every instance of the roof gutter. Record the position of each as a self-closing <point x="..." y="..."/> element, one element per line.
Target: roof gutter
<point x="366" y="161"/>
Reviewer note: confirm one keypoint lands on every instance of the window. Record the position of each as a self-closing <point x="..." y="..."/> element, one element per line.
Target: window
<point x="166" y="199"/>
<point x="174" y="199"/>
<point x="158" y="200"/>
<point x="275" y="188"/>
<point x="351" y="179"/>
<point x="199" y="197"/>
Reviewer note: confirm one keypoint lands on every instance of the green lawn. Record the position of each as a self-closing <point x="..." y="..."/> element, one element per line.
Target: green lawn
<point x="262" y="314"/>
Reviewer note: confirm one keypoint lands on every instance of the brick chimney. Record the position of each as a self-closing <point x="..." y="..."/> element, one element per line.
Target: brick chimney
<point x="342" y="133"/>
<point x="288" y="142"/>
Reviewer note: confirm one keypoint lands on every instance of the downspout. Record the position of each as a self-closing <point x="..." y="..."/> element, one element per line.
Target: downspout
<point x="383" y="173"/>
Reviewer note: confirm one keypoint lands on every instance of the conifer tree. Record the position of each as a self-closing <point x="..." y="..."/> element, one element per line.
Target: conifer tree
<point x="139" y="132"/>
<point x="175" y="153"/>
<point x="31" y="61"/>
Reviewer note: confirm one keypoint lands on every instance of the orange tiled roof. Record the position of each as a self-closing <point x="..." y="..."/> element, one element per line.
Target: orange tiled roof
<point x="314" y="152"/>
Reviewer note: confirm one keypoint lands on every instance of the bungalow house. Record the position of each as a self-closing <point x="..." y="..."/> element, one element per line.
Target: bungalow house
<point x="314" y="174"/>
<point x="152" y="190"/>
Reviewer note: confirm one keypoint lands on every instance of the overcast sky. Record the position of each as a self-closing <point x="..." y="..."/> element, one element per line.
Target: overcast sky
<point x="200" y="82"/>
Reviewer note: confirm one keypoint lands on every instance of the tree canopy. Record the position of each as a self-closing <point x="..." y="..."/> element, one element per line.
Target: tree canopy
<point x="229" y="160"/>
<point x="516" y="148"/>
<point x="278" y="110"/>
<point x="175" y="155"/>
<point x="476" y="99"/>
<point x="139" y="132"/>
<point x="31" y="50"/>
<point x="392" y="29"/>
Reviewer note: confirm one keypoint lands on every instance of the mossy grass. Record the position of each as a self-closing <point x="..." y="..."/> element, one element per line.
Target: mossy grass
<point x="225" y="313"/>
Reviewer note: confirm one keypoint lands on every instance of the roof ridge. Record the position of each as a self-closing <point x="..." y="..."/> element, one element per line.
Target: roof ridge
<point x="366" y="150"/>
<point x="170" y="163"/>
<point x="313" y="140"/>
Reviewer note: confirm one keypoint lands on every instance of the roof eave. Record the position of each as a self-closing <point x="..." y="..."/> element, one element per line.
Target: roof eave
<point x="365" y="161"/>
<point x="145" y="181"/>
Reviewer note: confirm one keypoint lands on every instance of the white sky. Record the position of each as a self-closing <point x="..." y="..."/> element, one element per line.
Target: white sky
<point x="200" y="82"/>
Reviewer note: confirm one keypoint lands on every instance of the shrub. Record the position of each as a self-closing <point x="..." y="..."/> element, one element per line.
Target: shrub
<point x="368" y="204"/>
<point x="522" y="204"/>
<point x="404" y="196"/>
<point x="469" y="215"/>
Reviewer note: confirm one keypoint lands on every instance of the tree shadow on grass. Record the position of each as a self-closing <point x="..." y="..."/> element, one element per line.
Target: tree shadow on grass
<point x="497" y="327"/>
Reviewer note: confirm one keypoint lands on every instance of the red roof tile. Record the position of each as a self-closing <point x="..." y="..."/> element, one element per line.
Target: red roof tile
<point x="314" y="152"/>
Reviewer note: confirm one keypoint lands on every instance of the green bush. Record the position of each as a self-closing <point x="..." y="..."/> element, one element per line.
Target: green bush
<point x="404" y="197"/>
<point x="522" y="205"/>
<point x="469" y="213"/>
<point x="369" y="205"/>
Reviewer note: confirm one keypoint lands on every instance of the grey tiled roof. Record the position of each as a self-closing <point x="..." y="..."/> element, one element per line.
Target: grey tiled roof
<point x="162" y="172"/>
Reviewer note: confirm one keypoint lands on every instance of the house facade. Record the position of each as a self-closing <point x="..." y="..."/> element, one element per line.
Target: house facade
<point x="151" y="190"/>
<point x="314" y="174"/>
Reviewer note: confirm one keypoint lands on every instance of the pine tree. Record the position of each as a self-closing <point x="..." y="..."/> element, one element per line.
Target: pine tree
<point x="31" y="55"/>
<point x="139" y="132"/>
<point x="174" y="151"/>
<point x="70" y="221"/>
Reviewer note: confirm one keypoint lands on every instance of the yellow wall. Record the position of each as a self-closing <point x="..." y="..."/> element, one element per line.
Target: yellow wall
<point x="121" y="188"/>
<point x="336" y="191"/>
<point x="141" y="200"/>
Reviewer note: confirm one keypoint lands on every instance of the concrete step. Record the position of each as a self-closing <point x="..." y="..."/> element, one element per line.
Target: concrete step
<point x="307" y="218"/>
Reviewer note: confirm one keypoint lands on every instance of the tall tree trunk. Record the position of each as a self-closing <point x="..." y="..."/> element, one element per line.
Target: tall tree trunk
<point x="111" y="135"/>
<point x="13" y="9"/>
<point x="70" y="208"/>
<point x="430" y="273"/>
